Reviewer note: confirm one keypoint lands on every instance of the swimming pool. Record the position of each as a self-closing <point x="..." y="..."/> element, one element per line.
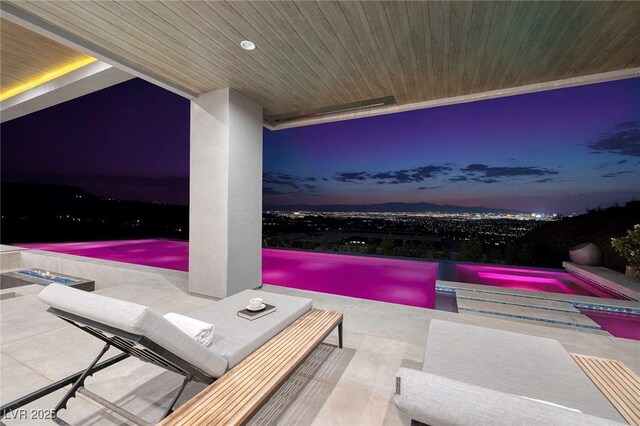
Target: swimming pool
<point x="388" y="280"/>
<point x="529" y="279"/>
<point x="399" y="281"/>
<point x="168" y="254"/>
<point x="405" y="282"/>
<point x="395" y="280"/>
<point x="618" y="324"/>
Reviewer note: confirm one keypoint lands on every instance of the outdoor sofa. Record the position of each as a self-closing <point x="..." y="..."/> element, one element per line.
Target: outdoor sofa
<point x="479" y="376"/>
<point x="140" y="332"/>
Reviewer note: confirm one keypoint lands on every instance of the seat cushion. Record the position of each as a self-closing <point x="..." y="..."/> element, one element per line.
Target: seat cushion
<point x="436" y="400"/>
<point x="136" y="319"/>
<point x="518" y="364"/>
<point x="236" y="338"/>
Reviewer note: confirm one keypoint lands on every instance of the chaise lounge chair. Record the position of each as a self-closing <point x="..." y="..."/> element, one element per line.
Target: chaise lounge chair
<point x="138" y="331"/>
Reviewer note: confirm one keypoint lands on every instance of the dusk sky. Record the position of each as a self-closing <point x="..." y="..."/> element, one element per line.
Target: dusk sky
<point x="129" y="141"/>
<point x="557" y="151"/>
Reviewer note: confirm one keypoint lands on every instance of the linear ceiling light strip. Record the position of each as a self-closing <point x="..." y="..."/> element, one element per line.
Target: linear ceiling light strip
<point x="46" y="77"/>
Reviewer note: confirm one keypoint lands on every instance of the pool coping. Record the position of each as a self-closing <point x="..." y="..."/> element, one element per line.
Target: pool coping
<point x="606" y="278"/>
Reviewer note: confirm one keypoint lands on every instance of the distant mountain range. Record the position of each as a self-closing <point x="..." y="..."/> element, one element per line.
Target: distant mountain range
<point x="388" y="208"/>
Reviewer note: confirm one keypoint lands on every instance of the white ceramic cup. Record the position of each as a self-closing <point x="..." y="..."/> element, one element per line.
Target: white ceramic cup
<point x="255" y="303"/>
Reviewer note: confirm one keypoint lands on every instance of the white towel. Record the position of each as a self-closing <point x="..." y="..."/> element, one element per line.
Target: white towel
<point x="200" y="331"/>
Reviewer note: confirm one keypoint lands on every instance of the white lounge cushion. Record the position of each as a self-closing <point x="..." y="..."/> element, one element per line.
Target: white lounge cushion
<point x="513" y="363"/>
<point x="236" y="338"/>
<point x="440" y="401"/>
<point x="136" y="319"/>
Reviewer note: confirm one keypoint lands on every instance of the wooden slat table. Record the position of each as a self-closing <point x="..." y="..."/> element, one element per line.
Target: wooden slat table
<point x="234" y="397"/>
<point x="617" y="382"/>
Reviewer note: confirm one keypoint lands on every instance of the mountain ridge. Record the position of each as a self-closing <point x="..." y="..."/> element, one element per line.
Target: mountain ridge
<point x="392" y="207"/>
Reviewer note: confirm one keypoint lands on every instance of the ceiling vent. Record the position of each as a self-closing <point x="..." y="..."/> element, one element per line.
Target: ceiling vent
<point x="334" y="109"/>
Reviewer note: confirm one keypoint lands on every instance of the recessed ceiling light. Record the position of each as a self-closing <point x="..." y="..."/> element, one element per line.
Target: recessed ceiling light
<point x="247" y="45"/>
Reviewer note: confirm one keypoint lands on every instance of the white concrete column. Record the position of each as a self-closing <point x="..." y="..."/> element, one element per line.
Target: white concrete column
<point x="225" y="200"/>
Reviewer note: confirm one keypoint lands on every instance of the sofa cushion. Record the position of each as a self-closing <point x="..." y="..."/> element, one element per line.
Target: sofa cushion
<point x="236" y="338"/>
<point x="439" y="401"/>
<point x="136" y="319"/>
<point x="519" y="364"/>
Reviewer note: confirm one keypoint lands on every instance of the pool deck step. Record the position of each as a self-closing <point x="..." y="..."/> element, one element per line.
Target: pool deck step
<point x="517" y="300"/>
<point x="507" y="311"/>
<point x="575" y="299"/>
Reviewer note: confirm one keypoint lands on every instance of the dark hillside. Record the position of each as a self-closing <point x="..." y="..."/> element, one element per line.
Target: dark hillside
<point x="551" y="242"/>
<point x="34" y="212"/>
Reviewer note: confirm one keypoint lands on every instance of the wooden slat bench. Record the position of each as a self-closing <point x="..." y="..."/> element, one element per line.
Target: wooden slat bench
<point x="234" y="397"/>
<point x="617" y="382"/>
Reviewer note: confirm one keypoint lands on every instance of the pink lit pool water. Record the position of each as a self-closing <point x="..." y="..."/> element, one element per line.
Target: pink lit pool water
<point x="618" y="324"/>
<point x="389" y="280"/>
<point x="166" y="254"/>
<point x="529" y="279"/>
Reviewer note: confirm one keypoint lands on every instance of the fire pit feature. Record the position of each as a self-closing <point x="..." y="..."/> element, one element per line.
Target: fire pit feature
<point x="42" y="277"/>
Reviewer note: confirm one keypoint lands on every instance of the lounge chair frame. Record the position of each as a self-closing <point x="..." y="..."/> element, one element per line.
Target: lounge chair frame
<point x="146" y="350"/>
<point x="132" y="345"/>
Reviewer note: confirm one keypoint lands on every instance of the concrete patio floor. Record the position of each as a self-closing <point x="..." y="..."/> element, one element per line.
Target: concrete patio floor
<point x="352" y="386"/>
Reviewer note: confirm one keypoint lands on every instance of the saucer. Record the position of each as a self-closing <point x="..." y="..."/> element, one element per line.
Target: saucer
<point x="249" y="308"/>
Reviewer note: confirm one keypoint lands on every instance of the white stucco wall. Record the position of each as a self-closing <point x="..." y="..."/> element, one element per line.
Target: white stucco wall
<point x="244" y="232"/>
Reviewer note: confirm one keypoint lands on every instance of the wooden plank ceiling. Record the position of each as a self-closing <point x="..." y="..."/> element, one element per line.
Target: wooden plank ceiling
<point x="28" y="57"/>
<point x="315" y="54"/>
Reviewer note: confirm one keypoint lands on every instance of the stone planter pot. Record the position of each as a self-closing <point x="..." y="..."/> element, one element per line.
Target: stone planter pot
<point x="633" y="272"/>
<point x="587" y="254"/>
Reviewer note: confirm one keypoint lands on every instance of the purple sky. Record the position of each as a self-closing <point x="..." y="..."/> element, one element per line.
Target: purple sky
<point x="129" y="141"/>
<point x="558" y="151"/>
